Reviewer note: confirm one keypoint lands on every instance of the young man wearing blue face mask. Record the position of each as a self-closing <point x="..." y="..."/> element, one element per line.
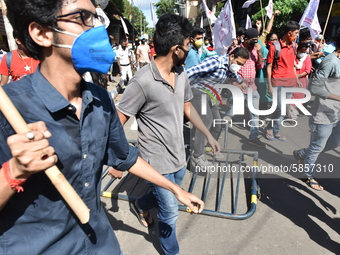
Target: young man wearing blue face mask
<point x="74" y="125"/>
<point x="195" y="53"/>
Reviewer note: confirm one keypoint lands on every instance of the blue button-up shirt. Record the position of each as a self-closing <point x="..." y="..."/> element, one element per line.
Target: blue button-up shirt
<point x="37" y="221"/>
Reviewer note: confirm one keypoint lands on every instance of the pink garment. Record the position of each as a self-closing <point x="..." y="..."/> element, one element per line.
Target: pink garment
<point x="306" y="67"/>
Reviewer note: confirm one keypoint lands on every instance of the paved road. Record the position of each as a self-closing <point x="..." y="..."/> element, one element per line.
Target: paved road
<point x="290" y="218"/>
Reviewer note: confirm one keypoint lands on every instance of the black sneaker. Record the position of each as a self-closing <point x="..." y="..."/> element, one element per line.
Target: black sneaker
<point x="257" y="143"/>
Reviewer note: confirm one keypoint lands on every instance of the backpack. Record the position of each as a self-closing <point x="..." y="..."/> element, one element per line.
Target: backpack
<point x="277" y="45"/>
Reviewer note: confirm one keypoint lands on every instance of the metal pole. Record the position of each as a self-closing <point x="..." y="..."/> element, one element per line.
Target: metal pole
<point x="133" y="25"/>
<point x="141" y="21"/>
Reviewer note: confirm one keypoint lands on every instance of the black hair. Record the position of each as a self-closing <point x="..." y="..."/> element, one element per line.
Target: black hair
<point x="197" y="31"/>
<point x="291" y="26"/>
<point x="240" y="31"/>
<point x="304" y="34"/>
<point x="170" y="30"/>
<point x="23" y="12"/>
<point x="122" y="40"/>
<point x="302" y="45"/>
<point x="15" y="34"/>
<point x="270" y="35"/>
<point x="240" y="52"/>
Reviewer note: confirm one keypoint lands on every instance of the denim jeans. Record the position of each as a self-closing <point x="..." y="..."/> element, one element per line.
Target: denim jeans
<point x="253" y="123"/>
<point x="323" y="137"/>
<point x="168" y="211"/>
<point x="213" y="113"/>
<point x="276" y="115"/>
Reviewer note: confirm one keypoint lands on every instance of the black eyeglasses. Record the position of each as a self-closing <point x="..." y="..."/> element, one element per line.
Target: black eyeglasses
<point x="88" y="18"/>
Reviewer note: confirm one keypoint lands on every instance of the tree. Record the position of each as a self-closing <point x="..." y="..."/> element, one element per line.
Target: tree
<point x="134" y="15"/>
<point x="290" y="10"/>
<point x="165" y="6"/>
<point x="119" y="4"/>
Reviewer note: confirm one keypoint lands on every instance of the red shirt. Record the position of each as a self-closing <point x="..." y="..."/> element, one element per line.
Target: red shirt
<point x="19" y="66"/>
<point x="152" y="52"/>
<point x="283" y="68"/>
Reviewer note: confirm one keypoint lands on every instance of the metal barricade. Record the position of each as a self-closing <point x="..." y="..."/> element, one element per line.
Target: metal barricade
<point x="214" y="195"/>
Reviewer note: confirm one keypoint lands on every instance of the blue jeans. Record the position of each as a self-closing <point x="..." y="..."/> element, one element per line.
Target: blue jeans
<point x="168" y="211"/>
<point x="254" y="130"/>
<point x="323" y="137"/>
<point x="277" y="113"/>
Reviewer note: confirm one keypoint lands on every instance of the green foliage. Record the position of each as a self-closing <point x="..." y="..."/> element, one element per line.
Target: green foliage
<point x="134" y="15"/>
<point x="219" y="8"/>
<point x="290" y="10"/>
<point x="165" y="6"/>
<point x="119" y="4"/>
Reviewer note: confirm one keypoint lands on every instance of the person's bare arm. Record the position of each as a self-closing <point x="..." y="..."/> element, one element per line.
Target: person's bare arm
<point x="122" y="117"/>
<point x="192" y="115"/>
<point x="271" y="21"/>
<point x="143" y="170"/>
<point x="4" y="79"/>
<point x="269" y="78"/>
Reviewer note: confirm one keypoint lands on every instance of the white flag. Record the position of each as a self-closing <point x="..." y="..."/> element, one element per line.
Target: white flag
<point x="224" y="30"/>
<point x="126" y="31"/>
<point x="310" y="18"/>
<point x="152" y="15"/>
<point x="210" y="14"/>
<point x="248" y="23"/>
<point x="269" y="9"/>
<point x="248" y="3"/>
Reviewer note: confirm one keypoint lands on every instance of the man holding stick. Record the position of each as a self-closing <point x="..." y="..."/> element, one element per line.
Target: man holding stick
<point x="64" y="112"/>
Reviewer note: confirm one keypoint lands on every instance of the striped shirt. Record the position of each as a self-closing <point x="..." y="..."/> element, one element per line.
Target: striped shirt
<point x="212" y="71"/>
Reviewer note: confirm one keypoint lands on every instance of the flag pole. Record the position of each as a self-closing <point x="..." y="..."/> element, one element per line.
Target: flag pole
<point x="262" y="15"/>
<point x="8" y="27"/>
<point x="329" y="13"/>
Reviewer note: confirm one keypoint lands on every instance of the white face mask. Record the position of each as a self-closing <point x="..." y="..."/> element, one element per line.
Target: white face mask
<point x="301" y="55"/>
<point x="234" y="68"/>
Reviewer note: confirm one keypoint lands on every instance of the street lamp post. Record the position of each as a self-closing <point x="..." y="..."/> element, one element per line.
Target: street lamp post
<point x="142" y="28"/>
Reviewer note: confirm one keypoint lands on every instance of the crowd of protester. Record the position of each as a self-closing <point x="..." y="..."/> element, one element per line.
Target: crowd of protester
<point x="164" y="78"/>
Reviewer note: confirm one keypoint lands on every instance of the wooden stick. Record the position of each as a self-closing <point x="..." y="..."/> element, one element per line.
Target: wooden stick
<point x="57" y="178"/>
<point x="262" y="15"/>
<point x="329" y="13"/>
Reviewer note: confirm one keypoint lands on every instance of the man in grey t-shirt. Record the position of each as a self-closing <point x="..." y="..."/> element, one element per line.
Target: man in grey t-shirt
<point x="159" y="95"/>
<point x="325" y="124"/>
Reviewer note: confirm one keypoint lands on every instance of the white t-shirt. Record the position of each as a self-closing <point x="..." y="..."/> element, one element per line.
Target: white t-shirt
<point x="123" y="55"/>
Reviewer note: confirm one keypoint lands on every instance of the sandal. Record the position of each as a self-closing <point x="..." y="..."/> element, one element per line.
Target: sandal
<point x="311" y="182"/>
<point x="269" y="136"/>
<point x="145" y="219"/>
<point x="280" y="138"/>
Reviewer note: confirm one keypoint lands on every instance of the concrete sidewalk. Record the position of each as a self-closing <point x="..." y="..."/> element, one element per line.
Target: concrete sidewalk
<point x="291" y="218"/>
